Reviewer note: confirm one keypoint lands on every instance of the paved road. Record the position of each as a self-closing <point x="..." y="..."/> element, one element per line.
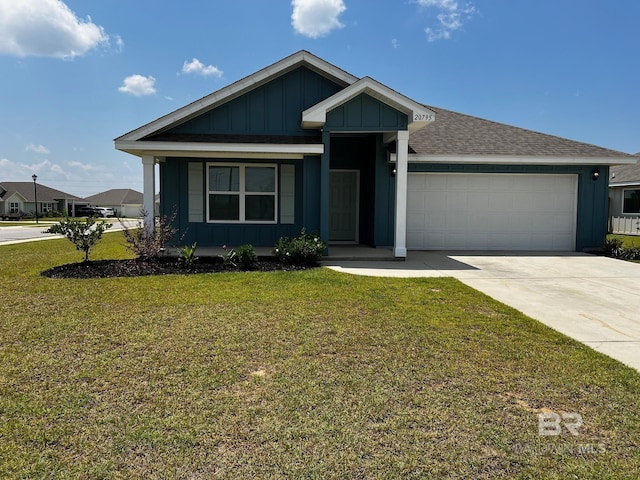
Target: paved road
<point x="595" y="300"/>
<point x="31" y="232"/>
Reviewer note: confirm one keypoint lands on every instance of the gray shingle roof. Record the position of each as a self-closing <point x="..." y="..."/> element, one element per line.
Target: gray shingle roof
<point x="117" y="196"/>
<point x="45" y="194"/>
<point x="625" y="173"/>
<point x="459" y="134"/>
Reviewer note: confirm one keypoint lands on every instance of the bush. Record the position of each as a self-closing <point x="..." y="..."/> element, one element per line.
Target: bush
<point x="187" y="255"/>
<point x="83" y="234"/>
<point x="149" y="244"/>
<point x="305" y="249"/>
<point x="612" y="247"/>
<point x="246" y="257"/>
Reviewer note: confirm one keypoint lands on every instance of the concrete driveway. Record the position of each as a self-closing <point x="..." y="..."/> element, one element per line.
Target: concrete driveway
<point x="595" y="300"/>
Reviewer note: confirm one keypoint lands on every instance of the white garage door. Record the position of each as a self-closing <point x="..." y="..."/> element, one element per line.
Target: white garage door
<point x="491" y="212"/>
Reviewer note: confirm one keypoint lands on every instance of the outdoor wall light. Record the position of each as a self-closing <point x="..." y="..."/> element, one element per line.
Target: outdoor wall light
<point x="595" y="174"/>
<point x="393" y="172"/>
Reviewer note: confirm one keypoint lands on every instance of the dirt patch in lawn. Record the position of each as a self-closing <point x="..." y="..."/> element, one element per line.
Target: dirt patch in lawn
<point x="158" y="266"/>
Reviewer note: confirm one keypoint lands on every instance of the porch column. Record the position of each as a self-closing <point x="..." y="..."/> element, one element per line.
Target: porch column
<point x="400" y="242"/>
<point x="148" y="190"/>
<point x="324" y="187"/>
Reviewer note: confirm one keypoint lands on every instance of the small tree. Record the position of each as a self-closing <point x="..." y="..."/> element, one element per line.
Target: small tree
<point x="149" y="243"/>
<point x="84" y="234"/>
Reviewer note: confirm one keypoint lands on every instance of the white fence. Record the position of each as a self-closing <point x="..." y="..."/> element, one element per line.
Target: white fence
<point x="625" y="225"/>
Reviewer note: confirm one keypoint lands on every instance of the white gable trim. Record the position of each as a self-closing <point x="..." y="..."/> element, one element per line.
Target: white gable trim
<point x="226" y="94"/>
<point x="419" y="115"/>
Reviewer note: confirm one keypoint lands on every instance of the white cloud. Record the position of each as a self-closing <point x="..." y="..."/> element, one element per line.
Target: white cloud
<point x="452" y="17"/>
<point x="138" y="85"/>
<point x="16" y="172"/>
<point x="47" y="28"/>
<point x="37" y="148"/>
<point x="316" y="18"/>
<point x="75" y="177"/>
<point x="394" y="43"/>
<point x="195" y="66"/>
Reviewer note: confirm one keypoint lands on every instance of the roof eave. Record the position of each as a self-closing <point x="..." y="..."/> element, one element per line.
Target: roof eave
<point x="513" y="159"/>
<point x="217" y="150"/>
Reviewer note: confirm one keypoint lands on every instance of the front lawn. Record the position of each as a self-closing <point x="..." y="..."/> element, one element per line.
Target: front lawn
<point x="627" y="240"/>
<point x="307" y="374"/>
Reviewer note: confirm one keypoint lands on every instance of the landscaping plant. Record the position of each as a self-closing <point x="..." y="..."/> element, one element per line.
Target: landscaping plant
<point x="149" y="244"/>
<point x="246" y="257"/>
<point x="228" y="256"/>
<point x="187" y="255"/>
<point x="305" y="249"/>
<point x="84" y="234"/>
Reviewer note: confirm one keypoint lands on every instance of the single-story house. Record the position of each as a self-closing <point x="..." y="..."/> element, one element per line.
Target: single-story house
<point x="124" y="201"/>
<point x="20" y="198"/>
<point x="303" y="143"/>
<point x="624" y="198"/>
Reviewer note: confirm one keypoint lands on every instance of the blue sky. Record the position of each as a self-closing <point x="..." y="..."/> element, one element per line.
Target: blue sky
<point x="75" y="74"/>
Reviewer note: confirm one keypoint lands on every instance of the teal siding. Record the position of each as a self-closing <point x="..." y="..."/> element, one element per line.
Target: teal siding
<point x="364" y="113"/>
<point x="272" y="109"/>
<point x="174" y="187"/>
<point x="591" y="226"/>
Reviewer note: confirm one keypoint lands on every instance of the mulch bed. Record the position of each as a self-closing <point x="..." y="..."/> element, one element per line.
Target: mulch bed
<point x="158" y="266"/>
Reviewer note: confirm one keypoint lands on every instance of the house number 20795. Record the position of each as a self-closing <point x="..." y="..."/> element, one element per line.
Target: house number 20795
<point x="422" y="117"/>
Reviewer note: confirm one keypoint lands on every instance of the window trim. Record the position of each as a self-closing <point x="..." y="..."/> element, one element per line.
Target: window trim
<point x="624" y="212"/>
<point x="14" y="207"/>
<point x="46" y="207"/>
<point x="242" y="193"/>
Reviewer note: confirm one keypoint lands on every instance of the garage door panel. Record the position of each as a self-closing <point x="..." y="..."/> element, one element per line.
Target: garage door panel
<point x="491" y="211"/>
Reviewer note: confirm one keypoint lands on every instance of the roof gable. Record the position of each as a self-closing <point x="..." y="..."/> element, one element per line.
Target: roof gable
<point x="418" y="114"/>
<point x="239" y="88"/>
<point x="269" y="109"/>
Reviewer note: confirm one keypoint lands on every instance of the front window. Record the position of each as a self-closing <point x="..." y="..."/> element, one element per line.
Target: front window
<point x="14" y="207"/>
<point x="47" y="207"/>
<point x="242" y="193"/>
<point x="631" y="201"/>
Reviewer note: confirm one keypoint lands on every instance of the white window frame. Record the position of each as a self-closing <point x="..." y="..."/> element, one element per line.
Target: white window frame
<point x="242" y="193"/>
<point x="46" y="207"/>
<point x="623" y="192"/>
<point x="14" y="207"/>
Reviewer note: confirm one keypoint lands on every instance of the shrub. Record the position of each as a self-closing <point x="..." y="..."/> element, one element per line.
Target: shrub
<point x="228" y="256"/>
<point x="149" y="244"/>
<point x="187" y="254"/>
<point x="246" y="257"/>
<point x="84" y="234"/>
<point x="612" y="247"/>
<point x="305" y="249"/>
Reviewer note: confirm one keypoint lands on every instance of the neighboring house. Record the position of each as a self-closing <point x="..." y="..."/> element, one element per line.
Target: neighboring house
<point x="624" y="198"/>
<point x="20" y="197"/>
<point x="124" y="201"/>
<point x="302" y="143"/>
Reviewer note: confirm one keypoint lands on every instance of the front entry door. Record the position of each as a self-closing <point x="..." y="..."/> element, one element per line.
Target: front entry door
<point x="344" y="186"/>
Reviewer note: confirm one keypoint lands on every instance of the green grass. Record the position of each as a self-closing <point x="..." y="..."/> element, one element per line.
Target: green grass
<point x="309" y="374"/>
<point x="628" y="240"/>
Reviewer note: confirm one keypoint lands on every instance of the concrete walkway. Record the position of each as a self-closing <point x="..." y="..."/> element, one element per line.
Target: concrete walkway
<point x="595" y="300"/>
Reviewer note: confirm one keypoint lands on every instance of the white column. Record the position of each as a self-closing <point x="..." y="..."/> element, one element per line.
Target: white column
<point x="149" y="190"/>
<point x="400" y="242"/>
